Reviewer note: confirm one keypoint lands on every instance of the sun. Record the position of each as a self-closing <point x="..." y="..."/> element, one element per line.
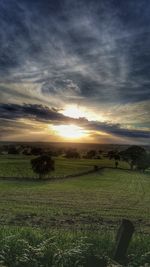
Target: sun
<point x="73" y="111"/>
<point x="69" y="131"/>
<point x="76" y="112"/>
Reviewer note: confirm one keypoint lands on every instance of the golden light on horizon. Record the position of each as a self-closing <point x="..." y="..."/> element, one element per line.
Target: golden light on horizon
<point x="76" y="112"/>
<point x="69" y="131"/>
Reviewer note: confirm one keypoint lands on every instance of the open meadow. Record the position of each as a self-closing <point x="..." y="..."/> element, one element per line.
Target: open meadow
<point x="95" y="199"/>
<point x="75" y="211"/>
<point x="19" y="166"/>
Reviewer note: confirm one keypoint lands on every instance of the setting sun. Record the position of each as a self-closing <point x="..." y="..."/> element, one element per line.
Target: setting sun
<point x="70" y="131"/>
<point x="74" y="111"/>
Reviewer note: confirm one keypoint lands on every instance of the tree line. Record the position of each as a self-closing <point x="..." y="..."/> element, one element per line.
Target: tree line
<point x="137" y="158"/>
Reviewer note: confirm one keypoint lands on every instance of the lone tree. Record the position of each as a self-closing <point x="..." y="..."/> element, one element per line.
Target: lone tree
<point x="72" y="153"/>
<point x="91" y="154"/>
<point x="43" y="165"/>
<point x="132" y="155"/>
<point x="143" y="162"/>
<point x="113" y="154"/>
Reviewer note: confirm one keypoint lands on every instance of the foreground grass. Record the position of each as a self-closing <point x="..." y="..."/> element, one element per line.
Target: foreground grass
<point x="28" y="247"/>
<point x="95" y="200"/>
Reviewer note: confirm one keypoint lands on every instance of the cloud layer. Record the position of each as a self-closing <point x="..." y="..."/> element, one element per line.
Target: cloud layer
<point x="42" y="114"/>
<point x="92" y="53"/>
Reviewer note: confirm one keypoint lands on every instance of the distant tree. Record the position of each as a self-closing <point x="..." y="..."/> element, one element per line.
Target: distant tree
<point x="26" y="151"/>
<point x="36" y="151"/>
<point x="72" y="153"/>
<point x="132" y="155"/>
<point x="91" y="154"/>
<point x="12" y="150"/>
<point x="113" y="154"/>
<point x="97" y="157"/>
<point x="53" y="153"/>
<point x="110" y="154"/>
<point x="43" y="165"/>
<point x="143" y="162"/>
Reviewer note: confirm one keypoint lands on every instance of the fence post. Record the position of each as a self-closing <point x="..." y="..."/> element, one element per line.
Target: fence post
<point x="124" y="236"/>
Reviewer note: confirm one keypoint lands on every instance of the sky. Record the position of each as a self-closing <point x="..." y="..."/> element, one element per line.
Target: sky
<point x="75" y="71"/>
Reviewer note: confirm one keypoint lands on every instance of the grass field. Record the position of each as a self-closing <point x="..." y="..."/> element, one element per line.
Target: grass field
<point x="28" y="247"/>
<point x="90" y="206"/>
<point x="101" y="198"/>
<point x="19" y="166"/>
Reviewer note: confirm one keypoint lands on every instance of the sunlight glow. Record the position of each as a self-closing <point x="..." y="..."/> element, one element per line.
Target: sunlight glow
<point x="70" y="131"/>
<point x="76" y="112"/>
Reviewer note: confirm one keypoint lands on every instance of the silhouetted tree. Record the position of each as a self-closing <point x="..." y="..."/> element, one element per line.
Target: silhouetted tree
<point x="43" y="165"/>
<point x="143" y="162"/>
<point x="12" y="150"/>
<point x="36" y="151"/>
<point x="91" y="154"/>
<point x="113" y="154"/>
<point x="72" y="153"/>
<point x="26" y="151"/>
<point x="132" y="155"/>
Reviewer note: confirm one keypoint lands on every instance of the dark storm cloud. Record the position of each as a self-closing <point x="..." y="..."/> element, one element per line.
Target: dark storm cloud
<point x="102" y="47"/>
<point x="33" y="112"/>
<point x="10" y="113"/>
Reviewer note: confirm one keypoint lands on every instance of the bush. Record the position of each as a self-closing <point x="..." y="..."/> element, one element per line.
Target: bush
<point x="37" y="248"/>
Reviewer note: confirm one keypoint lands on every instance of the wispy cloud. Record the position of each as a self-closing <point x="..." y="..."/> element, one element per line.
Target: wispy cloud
<point x="95" y="54"/>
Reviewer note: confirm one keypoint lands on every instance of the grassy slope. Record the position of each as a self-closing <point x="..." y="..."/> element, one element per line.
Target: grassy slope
<point x="19" y="166"/>
<point x="90" y="202"/>
<point x="95" y="199"/>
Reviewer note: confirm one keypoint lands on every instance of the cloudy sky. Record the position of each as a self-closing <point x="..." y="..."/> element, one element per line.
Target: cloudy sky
<point x="75" y="70"/>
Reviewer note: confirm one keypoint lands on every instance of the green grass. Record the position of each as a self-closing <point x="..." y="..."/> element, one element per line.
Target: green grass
<point x="94" y="200"/>
<point x="54" y="223"/>
<point x="30" y="247"/>
<point x="19" y="166"/>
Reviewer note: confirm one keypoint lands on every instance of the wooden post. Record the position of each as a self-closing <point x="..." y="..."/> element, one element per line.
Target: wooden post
<point x="124" y="236"/>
